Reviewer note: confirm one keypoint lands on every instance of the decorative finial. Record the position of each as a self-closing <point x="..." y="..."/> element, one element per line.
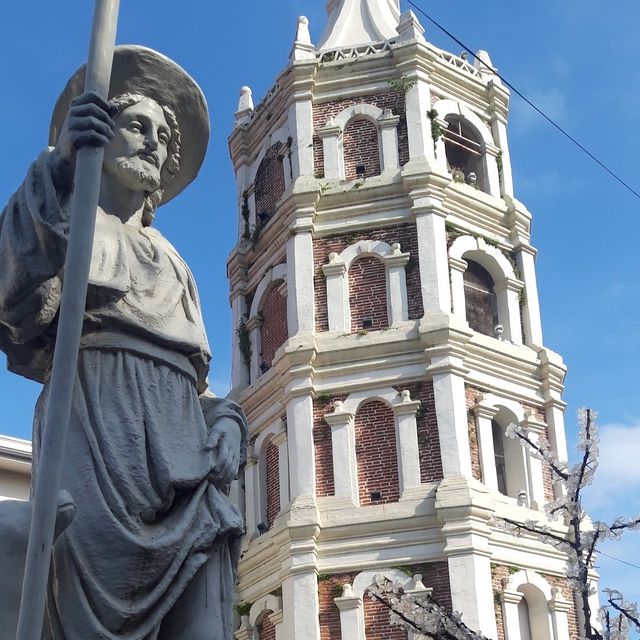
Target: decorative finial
<point x="245" y="105"/>
<point x="303" y="48"/>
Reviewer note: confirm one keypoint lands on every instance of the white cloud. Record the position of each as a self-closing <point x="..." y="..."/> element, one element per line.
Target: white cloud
<point x="617" y="483"/>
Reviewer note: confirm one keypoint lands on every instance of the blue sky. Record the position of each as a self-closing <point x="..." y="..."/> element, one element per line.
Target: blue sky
<point x="574" y="58"/>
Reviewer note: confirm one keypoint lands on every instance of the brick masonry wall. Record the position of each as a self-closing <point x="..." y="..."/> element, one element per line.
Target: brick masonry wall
<point x="360" y="144"/>
<point x="376" y="453"/>
<point x="269" y="181"/>
<point x="393" y="100"/>
<point x="268" y="629"/>
<point x="378" y="627"/>
<point x="471" y="396"/>
<point x="274" y="331"/>
<point x="323" y="445"/>
<point x="501" y="572"/>
<point x="272" y="460"/>
<point x="406" y="235"/>
<point x="427" y="426"/>
<point x="368" y="293"/>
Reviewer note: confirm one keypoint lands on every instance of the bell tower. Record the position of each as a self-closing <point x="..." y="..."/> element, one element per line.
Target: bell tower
<point x="386" y="333"/>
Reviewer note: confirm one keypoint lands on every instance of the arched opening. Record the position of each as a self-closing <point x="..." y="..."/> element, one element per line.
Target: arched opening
<point x="266" y="629"/>
<point x="481" y="301"/>
<point x="533" y="614"/>
<point x="464" y="151"/>
<point x="510" y="458"/>
<point x="368" y="294"/>
<point x="376" y="454"/>
<point x="498" y="452"/>
<point x="269" y="183"/>
<point x="361" y="149"/>
<point x="274" y="330"/>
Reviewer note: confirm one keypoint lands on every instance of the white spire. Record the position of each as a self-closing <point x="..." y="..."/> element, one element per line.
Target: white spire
<point x="356" y="22"/>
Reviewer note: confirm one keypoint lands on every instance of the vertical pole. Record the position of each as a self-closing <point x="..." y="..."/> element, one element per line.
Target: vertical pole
<point x="65" y="358"/>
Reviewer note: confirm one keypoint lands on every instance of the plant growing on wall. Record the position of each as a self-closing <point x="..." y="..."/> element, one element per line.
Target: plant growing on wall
<point x="436" y="130"/>
<point x="244" y="342"/>
<point x="402" y="84"/>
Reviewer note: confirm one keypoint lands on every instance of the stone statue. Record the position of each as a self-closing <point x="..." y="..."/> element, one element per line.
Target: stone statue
<point x="152" y="550"/>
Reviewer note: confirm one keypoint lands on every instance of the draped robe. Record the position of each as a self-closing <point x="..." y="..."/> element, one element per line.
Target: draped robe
<point x="150" y="512"/>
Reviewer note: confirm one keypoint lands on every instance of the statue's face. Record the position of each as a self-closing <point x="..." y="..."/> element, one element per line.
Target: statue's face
<point x="139" y="147"/>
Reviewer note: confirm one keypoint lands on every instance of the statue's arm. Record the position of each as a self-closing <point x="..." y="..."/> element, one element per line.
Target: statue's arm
<point x="228" y="436"/>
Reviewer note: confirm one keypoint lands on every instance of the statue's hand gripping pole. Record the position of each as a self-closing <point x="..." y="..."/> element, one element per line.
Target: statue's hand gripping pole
<point x="65" y="359"/>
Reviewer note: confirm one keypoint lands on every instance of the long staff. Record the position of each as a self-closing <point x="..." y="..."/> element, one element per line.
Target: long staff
<point x="65" y="359"/>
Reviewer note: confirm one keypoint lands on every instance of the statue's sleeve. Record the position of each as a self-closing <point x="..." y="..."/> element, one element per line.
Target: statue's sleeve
<point x="33" y="232"/>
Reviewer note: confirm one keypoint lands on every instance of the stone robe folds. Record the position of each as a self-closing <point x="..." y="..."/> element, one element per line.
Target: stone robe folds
<point x="150" y="513"/>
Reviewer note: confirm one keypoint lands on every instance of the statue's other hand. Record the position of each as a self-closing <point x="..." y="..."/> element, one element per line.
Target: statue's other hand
<point x="225" y="440"/>
<point x="89" y="123"/>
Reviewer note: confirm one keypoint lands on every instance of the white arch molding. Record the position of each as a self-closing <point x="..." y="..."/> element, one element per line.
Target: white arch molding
<point x="548" y="609"/>
<point x="523" y="470"/>
<point x="332" y="138"/>
<point x="490" y="151"/>
<point x="343" y="439"/>
<point x="506" y="286"/>
<point x="279" y="272"/>
<point x="337" y="282"/>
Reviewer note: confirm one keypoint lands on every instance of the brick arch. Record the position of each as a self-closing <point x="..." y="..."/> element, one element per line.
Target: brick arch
<point x="269" y="183"/>
<point x="376" y="453"/>
<point x="274" y="330"/>
<point x="368" y="294"/>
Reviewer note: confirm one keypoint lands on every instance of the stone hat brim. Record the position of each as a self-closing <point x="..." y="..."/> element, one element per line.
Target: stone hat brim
<point x="141" y="70"/>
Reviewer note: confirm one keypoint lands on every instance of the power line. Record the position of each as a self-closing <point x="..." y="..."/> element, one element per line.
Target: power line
<point x="529" y="102"/>
<point x="602" y="553"/>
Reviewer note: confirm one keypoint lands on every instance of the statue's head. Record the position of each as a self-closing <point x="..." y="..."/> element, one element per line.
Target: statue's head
<point x="146" y="84"/>
<point x="145" y="151"/>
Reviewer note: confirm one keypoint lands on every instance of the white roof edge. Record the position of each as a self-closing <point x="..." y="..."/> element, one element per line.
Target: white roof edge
<point x="15" y="447"/>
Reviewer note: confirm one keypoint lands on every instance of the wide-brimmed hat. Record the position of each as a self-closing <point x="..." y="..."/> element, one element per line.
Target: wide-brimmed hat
<point x="141" y="70"/>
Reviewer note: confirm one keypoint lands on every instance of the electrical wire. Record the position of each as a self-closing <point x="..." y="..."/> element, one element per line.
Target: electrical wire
<point x="602" y="553"/>
<point x="529" y="102"/>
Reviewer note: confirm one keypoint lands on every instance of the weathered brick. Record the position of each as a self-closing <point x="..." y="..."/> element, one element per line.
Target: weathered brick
<point x="267" y="629"/>
<point x="272" y="460"/>
<point x="376" y="453"/>
<point x="274" y="331"/>
<point x="368" y="294"/>
<point x="269" y="182"/>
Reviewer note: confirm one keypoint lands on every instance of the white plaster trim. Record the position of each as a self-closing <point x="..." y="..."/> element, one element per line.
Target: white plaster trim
<point x="262" y="606"/>
<point x="365" y="579"/>
<point x="388" y="395"/>
<point x="279" y="272"/>
<point x="506" y="285"/>
<point x="337" y="282"/>
<point x="362" y="110"/>
<point x="280" y="135"/>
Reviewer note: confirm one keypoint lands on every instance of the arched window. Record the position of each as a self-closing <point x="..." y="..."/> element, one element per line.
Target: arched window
<point x="481" y="302"/>
<point x="361" y="149"/>
<point x="510" y="458"/>
<point x="464" y="152"/>
<point x="376" y="454"/>
<point x="368" y="294"/>
<point x="269" y="183"/>
<point x="498" y="452"/>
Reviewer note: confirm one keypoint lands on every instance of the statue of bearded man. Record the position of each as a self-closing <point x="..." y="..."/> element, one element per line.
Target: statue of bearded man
<point x="151" y="553"/>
